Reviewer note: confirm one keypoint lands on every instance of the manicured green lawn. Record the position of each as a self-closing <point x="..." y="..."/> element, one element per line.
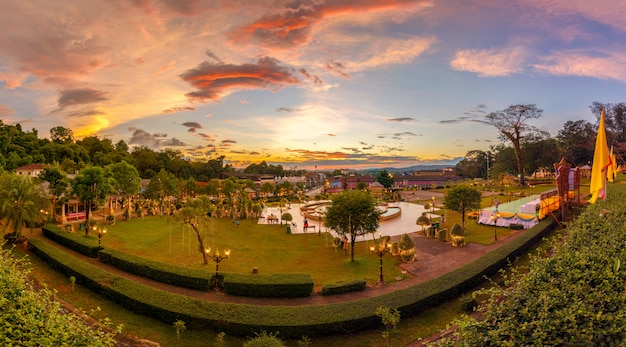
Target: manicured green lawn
<point x="267" y="247"/>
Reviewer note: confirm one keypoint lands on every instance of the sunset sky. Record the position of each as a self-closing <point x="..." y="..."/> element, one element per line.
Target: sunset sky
<point x="327" y="84"/>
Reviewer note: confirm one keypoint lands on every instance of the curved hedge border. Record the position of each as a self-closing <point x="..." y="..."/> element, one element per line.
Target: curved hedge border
<point x="269" y="286"/>
<point x="290" y="321"/>
<point x="86" y="245"/>
<point x="174" y="275"/>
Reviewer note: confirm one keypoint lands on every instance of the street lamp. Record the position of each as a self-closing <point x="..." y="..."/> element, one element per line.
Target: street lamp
<point x="101" y="232"/>
<point x="380" y="251"/>
<point x="432" y="206"/>
<point x="217" y="258"/>
<point x="495" y="217"/>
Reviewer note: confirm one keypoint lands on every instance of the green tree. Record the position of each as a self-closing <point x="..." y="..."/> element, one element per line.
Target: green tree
<point x="461" y="199"/>
<point x="162" y="186"/>
<point x="512" y="123"/>
<point x="126" y="181"/>
<point x="92" y="185"/>
<point x="353" y="213"/>
<point x="61" y="135"/>
<point x="576" y="141"/>
<point x="195" y="213"/>
<point x="58" y="185"/>
<point x="21" y="202"/>
<point x="385" y="178"/>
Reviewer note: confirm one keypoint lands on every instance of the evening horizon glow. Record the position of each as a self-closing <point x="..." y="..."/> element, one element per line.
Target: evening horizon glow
<point x="306" y="84"/>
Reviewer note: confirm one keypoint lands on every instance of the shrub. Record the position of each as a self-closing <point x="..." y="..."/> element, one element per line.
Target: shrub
<point x="265" y="340"/>
<point x="406" y="242"/>
<point x="468" y="303"/>
<point x="274" y="285"/>
<point x="516" y="226"/>
<point x="408" y="255"/>
<point x="457" y="230"/>
<point x="344" y="287"/>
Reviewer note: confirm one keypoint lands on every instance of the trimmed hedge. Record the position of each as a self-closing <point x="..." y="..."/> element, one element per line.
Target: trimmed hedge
<point x="269" y="286"/>
<point x="291" y="321"/>
<point x="174" y="275"/>
<point x="86" y="245"/>
<point x="345" y="287"/>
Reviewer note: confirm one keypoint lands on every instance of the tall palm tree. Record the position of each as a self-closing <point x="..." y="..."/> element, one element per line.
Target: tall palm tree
<point x="21" y="202"/>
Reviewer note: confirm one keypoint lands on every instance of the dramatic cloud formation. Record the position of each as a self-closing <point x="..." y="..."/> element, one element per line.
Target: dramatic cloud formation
<point x="212" y="81"/>
<point x="337" y="83"/>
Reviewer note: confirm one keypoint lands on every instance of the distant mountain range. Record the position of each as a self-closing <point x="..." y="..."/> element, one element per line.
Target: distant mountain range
<point x="398" y="170"/>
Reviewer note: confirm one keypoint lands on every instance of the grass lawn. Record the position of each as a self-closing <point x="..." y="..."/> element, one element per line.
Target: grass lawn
<point x="267" y="247"/>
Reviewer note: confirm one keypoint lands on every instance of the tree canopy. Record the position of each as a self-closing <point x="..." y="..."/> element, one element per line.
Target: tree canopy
<point x="462" y="199"/>
<point x="353" y="213"/>
<point x="512" y="123"/>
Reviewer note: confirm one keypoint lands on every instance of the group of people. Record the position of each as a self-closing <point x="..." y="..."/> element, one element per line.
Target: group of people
<point x="271" y="218"/>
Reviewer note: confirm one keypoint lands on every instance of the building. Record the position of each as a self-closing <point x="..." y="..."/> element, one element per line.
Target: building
<point x="32" y="170"/>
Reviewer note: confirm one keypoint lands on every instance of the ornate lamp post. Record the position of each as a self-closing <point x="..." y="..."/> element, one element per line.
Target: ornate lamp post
<point x="380" y="251"/>
<point x="432" y="206"/>
<point x="101" y="232"/>
<point x="495" y="217"/>
<point x="217" y="258"/>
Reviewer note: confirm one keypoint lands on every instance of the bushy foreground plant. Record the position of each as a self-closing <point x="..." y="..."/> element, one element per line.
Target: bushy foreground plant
<point x="572" y="295"/>
<point x="35" y="318"/>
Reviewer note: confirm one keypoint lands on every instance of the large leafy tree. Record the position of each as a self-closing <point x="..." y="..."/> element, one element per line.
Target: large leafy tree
<point x="462" y="199"/>
<point x="512" y="123"/>
<point x="21" y="202"/>
<point x="126" y="181"/>
<point x="162" y="186"/>
<point x="58" y="185"/>
<point x="353" y="213"/>
<point x="540" y="151"/>
<point x="91" y="186"/>
<point x="475" y="164"/>
<point x="576" y="140"/>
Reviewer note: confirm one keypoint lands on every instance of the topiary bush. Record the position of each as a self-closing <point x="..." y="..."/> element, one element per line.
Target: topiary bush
<point x="457" y="230"/>
<point x="407" y="248"/>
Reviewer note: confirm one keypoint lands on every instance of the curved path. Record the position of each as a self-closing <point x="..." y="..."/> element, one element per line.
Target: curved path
<point x="434" y="258"/>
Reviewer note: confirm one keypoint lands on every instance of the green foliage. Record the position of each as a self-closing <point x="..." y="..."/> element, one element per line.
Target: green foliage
<point x="423" y="220"/>
<point x="287" y="217"/>
<point x="353" y="213"/>
<point x="86" y="245"/>
<point x="295" y="321"/>
<point x="457" y="230"/>
<point x="406" y="242"/>
<point x="265" y="340"/>
<point x="21" y="202"/>
<point x="385" y="178"/>
<point x="179" y="325"/>
<point x="92" y="185"/>
<point x="305" y="341"/>
<point x="573" y="294"/>
<point x="344" y="287"/>
<point x="462" y="198"/>
<point x="273" y="285"/>
<point x="390" y="319"/>
<point x="468" y="303"/>
<point x="35" y="318"/>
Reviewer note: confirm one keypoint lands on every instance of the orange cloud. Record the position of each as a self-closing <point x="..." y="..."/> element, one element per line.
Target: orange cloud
<point x="212" y="81"/>
<point x="289" y="27"/>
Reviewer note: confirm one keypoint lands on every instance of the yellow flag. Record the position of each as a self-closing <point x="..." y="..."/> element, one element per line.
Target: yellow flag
<point x="601" y="162"/>
<point x="610" y="170"/>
